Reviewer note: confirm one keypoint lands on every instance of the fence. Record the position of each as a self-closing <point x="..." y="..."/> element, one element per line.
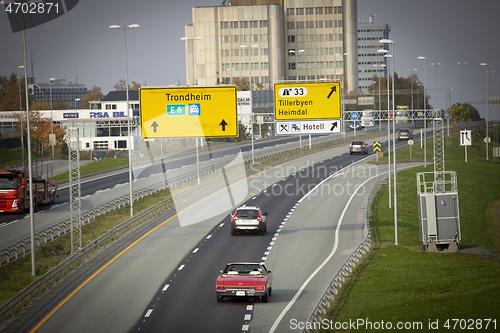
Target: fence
<point x="18" y="302"/>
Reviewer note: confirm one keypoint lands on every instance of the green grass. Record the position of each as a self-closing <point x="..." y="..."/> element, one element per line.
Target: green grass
<point x="95" y="167"/>
<point x="406" y="284"/>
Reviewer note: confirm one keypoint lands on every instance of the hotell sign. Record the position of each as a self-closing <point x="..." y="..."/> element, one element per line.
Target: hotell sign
<point x="307" y="101"/>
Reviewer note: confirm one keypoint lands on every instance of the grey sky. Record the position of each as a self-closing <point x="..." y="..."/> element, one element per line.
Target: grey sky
<point x="80" y="43"/>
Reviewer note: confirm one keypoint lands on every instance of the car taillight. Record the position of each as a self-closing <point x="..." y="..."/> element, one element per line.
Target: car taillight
<point x="259" y="288"/>
<point x="259" y="218"/>
<point x="235" y="218"/>
<point x="221" y="288"/>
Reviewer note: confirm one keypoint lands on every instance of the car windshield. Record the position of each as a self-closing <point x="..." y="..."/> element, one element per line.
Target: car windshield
<point x="250" y="214"/>
<point x="8" y="183"/>
<point x="357" y="143"/>
<point x="245" y="269"/>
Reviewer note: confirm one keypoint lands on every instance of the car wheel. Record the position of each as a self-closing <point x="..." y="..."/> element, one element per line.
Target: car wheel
<point x="233" y="231"/>
<point x="270" y="291"/>
<point x="220" y="298"/>
<point x="265" y="298"/>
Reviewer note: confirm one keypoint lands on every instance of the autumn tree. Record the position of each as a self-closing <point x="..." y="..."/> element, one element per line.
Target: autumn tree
<point x="40" y="128"/>
<point x="459" y="114"/>
<point x="95" y="94"/>
<point x="120" y="86"/>
<point x="60" y="104"/>
<point x="40" y="105"/>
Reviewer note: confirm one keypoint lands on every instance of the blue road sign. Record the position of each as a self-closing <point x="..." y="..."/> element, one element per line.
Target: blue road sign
<point x="354" y="115"/>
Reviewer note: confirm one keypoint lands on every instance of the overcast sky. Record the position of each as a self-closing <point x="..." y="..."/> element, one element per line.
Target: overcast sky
<point x="80" y="43"/>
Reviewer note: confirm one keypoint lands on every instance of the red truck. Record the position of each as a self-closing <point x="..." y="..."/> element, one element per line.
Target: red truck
<point x="14" y="191"/>
<point x="244" y="279"/>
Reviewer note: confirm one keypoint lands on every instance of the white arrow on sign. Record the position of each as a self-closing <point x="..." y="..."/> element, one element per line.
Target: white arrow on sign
<point x="465" y="138"/>
<point x="308" y="127"/>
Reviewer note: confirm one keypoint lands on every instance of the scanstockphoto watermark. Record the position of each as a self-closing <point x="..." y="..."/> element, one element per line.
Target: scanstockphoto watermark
<point x="367" y="324"/>
<point x="358" y="324"/>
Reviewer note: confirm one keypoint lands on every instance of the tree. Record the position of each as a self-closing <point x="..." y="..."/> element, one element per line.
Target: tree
<point x="478" y="135"/>
<point x="40" y="105"/>
<point x="40" y="128"/>
<point x="459" y="113"/>
<point x="241" y="83"/>
<point x="9" y="93"/>
<point x="473" y="113"/>
<point x="120" y="86"/>
<point x="95" y="94"/>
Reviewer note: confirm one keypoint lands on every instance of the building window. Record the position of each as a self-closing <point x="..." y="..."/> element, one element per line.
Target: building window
<point x="224" y="25"/>
<point x="338" y="10"/>
<point x="310" y="38"/>
<point x="224" y="39"/>
<point x="235" y="53"/>
<point x="291" y="52"/>
<point x="244" y="24"/>
<point x="290" y="11"/>
<point x="338" y="23"/>
<point x="265" y="52"/>
<point x="320" y="38"/>
<point x="254" y="38"/>
<point x="291" y="39"/>
<point x="309" y="11"/>
<point x="263" y="38"/>
<point x="234" y="38"/>
<point x="329" y="24"/>
<point x="320" y="51"/>
<point x="301" y="38"/>
<point x="318" y="10"/>
<point x="310" y="52"/>
<point x="299" y="11"/>
<point x="300" y="25"/>
<point x="310" y="65"/>
<point x="290" y="25"/>
<point x="264" y="65"/>
<point x="234" y="24"/>
<point x="263" y="23"/>
<point x="291" y="65"/>
<point x="310" y="24"/>
<point x="319" y="24"/>
<point x="320" y="64"/>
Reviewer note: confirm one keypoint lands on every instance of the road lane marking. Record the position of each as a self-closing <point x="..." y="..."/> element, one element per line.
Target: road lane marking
<point x="181" y="267"/>
<point x="196" y="250"/>
<point x="334" y="250"/>
<point x="165" y="288"/>
<point x="153" y="230"/>
<point x="148" y="313"/>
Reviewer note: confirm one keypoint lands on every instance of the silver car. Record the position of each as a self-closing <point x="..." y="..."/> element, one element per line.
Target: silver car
<point x="248" y="218"/>
<point x="358" y="146"/>
<point x="405" y="134"/>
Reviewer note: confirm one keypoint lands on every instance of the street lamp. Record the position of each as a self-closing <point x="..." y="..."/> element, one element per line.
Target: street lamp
<point x="389" y="41"/>
<point x="388" y="125"/>
<point x="21" y="110"/>
<point x="425" y="116"/>
<point x="487" y="136"/>
<point x="437" y="94"/>
<point x="462" y="82"/>
<point x="413" y="72"/>
<point x="194" y="83"/>
<point x="251" y="103"/>
<point x="128" y="116"/>
<point x="51" y="117"/>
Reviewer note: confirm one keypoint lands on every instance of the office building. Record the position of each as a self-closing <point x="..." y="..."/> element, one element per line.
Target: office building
<point x="66" y="91"/>
<point x="273" y="41"/>
<point x="370" y="62"/>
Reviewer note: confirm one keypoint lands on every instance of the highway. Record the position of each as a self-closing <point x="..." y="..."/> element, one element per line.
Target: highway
<point x="167" y="272"/>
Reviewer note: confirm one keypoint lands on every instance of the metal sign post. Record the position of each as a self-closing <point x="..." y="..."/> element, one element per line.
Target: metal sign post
<point x="465" y="140"/>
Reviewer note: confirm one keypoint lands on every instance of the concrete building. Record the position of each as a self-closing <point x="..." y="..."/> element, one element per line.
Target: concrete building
<point x="370" y="62"/>
<point x="273" y="41"/>
<point x="66" y="91"/>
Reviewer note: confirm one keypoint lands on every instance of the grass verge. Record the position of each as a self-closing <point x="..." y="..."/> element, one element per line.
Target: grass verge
<point x="404" y="284"/>
<point x="16" y="275"/>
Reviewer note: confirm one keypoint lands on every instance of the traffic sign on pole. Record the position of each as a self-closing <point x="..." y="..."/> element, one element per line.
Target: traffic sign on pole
<point x="465" y="138"/>
<point x="303" y="101"/>
<point x="308" y="127"/>
<point x="174" y="112"/>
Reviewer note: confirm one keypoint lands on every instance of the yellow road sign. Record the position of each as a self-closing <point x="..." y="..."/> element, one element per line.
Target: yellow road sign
<point x="376" y="146"/>
<point x="313" y="100"/>
<point x="174" y="112"/>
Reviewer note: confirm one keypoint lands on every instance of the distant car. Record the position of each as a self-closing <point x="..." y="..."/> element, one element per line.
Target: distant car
<point x="358" y="146"/>
<point x="355" y="124"/>
<point x="248" y="218"/>
<point x="100" y="154"/>
<point x="405" y="134"/>
<point x="244" y="279"/>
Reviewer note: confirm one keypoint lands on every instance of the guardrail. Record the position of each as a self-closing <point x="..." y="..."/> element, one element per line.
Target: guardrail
<point x="18" y="302"/>
<point x="344" y="271"/>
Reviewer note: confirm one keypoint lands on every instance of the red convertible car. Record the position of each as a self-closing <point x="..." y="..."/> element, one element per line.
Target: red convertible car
<point x="244" y="279"/>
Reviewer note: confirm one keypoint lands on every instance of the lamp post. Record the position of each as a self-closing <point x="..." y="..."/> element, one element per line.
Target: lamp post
<point x="131" y="193"/>
<point x="487" y="136"/>
<point x="413" y="72"/>
<point x="21" y="110"/>
<point x="51" y="117"/>
<point x="193" y="83"/>
<point x="462" y="82"/>
<point x="437" y="94"/>
<point x="388" y="127"/>
<point x="425" y="117"/>
<point x="251" y="103"/>
<point x="389" y="41"/>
